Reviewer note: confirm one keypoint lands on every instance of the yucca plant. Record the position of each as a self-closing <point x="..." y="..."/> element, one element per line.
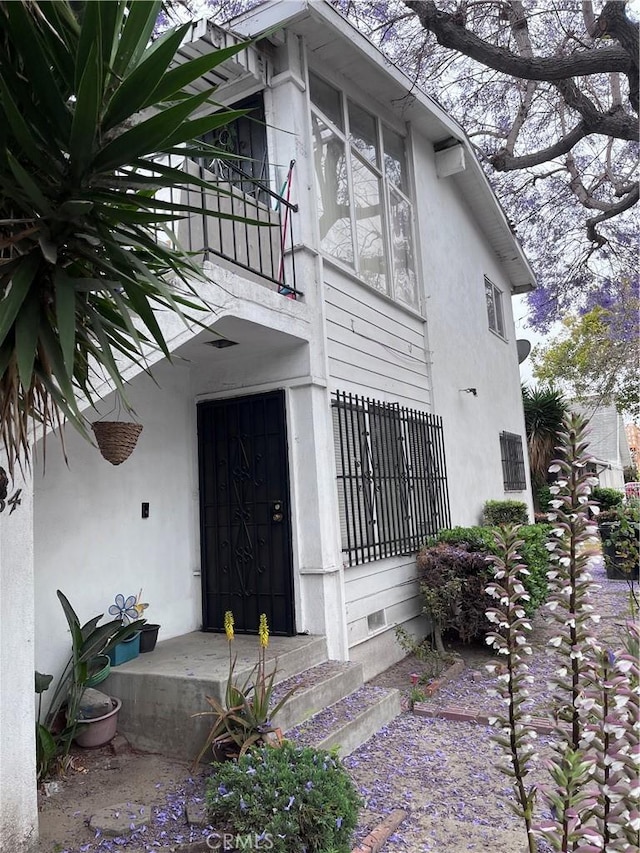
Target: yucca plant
<point x="544" y="410"/>
<point x="86" y="99"/>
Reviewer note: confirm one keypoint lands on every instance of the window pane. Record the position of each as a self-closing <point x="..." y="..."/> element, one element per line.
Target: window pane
<point x="497" y="297"/>
<point x="491" y="305"/>
<point x="327" y="99"/>
<point x="354" y="478"/>
<point x="390" y="477"/>
<point x="394" y="158"/>
<point x="512" y="462"/>
<point x="367" y="197"/>
<point x="404" y="276"/>
<point x="363" y="136"/>
<point x="333" y="192"/>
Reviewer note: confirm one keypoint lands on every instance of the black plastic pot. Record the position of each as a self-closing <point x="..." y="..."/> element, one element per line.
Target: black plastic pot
<point x="148" y="638"/>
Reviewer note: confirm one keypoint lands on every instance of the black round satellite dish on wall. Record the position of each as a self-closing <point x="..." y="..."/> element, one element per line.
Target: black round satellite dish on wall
<point x="524" y="348"/>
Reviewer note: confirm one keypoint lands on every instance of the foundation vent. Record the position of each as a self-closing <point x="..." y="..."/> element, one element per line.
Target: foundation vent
<point x="376" y="621"/>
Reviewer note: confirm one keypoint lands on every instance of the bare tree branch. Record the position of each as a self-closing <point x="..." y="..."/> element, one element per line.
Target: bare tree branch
<point x="581" y="63"/>
<point x="613" y="22"/>
<point x="502" y="162"/>
<point x="615" y="123"/>
<point x="615" y="209"/>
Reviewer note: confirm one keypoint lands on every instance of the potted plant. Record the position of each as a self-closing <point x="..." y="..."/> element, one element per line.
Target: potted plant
<point x="90" y="645"/>
<point x="244" y="719"/>
<point x="620" y="532"/>
<point x="127" y="611"/>
<point x="149" y="631"/>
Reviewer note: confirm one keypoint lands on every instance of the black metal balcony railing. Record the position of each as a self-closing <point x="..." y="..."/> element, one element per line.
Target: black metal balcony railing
<point x="246" y="223"/>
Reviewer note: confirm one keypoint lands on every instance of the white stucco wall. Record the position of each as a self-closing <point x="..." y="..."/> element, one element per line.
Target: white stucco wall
<point x="18" y="804"/>
<point x="464" y="352"/>
<point x="91" y="539"/>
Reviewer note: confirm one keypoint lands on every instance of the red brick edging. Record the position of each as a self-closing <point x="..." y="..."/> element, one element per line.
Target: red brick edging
<point x="374" y="841"/>
<point x="451" y="672"/>
<point x="422" y="709"/>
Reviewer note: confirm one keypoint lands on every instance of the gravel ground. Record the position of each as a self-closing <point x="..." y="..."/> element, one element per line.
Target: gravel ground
<point x="442" y="772"/>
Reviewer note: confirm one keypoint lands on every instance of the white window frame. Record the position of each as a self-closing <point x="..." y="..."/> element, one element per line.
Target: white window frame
<point x="496" y="323"/>
<point x="385" y="195"/>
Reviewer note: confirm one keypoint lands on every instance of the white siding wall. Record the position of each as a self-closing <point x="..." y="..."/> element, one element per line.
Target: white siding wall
<point x="377" y="349"/>
<point x="374" y="346"/>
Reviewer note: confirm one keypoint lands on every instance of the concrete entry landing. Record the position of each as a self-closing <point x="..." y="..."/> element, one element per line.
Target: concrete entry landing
<point x="163" y="689"/>
<point x="205" y="656"/>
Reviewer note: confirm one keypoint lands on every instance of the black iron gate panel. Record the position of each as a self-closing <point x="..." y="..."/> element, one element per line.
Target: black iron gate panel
<point x="244" y="513"/>
<point x="392" y="477"/>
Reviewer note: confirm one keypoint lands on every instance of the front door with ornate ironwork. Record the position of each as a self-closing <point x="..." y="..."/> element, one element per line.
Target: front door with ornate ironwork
<point x="244" y="513"/>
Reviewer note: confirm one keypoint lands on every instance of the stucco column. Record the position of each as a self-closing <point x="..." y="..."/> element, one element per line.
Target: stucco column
<point x="18" y="802"/>
<point x="320" y="582"/>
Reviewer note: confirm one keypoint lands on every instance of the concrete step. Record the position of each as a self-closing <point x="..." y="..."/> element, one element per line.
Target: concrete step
<point x="347" y="724"/>
<point x="162" y="690"/>
<point x="316" y="689"/>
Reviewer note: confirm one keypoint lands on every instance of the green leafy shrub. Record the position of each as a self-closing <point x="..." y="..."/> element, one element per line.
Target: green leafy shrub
<point x="452" y="582"/>
<point x="621" y="538"/>
<point x="607" y="498"/>
<point x="543" y="496"/>
<point x="534" y="553"/>
<point x="297" y="798"/>
<point x="473" y="538"/>
<point x="497" y="513"/>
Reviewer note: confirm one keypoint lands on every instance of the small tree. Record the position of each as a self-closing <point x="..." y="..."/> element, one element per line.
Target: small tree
<point x="544" y="409"/>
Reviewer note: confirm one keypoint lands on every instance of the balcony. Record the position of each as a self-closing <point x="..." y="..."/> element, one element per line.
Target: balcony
<point x="246" y="224"/>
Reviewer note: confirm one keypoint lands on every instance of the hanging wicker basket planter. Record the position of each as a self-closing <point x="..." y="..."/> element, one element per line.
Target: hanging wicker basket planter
<point x="116" y="439"/>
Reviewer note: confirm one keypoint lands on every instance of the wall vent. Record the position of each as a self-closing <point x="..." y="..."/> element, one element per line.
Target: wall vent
<point x="376" y="621"/>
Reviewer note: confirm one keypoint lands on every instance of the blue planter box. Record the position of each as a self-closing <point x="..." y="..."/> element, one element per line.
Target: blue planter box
<point x="127" y="650"/>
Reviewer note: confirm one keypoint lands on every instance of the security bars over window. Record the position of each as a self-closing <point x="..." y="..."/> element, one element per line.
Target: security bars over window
<point x="512" y="462"/>
<point x="392" y="482"/>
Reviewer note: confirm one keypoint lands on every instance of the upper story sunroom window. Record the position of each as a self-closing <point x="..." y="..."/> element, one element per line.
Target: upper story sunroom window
<point x="365" y="212"/>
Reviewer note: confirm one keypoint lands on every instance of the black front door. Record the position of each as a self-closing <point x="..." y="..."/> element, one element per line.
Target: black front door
<point x="244" y="513"/>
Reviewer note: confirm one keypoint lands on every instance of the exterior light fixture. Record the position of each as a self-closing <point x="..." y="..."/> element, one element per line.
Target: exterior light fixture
<point x="473" y="391"/>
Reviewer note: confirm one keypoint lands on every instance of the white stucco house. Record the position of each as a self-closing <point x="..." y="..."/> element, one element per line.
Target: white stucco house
<point x="608" y="441"/>
<point x="348" y="396"/>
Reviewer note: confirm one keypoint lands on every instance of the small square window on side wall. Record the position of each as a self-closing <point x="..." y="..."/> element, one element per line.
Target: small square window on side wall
<point x="495" y="308"/>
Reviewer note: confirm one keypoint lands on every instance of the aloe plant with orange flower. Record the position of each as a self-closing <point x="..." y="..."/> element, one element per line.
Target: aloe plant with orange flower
<point x="245" y="718"/>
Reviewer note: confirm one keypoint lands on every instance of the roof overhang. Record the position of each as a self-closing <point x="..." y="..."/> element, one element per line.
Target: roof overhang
<point x="363" y="63"/>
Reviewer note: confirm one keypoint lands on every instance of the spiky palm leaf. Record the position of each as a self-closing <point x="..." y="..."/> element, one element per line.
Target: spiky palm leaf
<point x="544" y="411"/>
<point x="85" y="99"/>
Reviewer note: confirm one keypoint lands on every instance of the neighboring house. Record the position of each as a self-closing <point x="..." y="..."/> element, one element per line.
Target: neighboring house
<point x="607" y="441"/>
<point x="296" y="453"/>
<point x="633" y="440"/>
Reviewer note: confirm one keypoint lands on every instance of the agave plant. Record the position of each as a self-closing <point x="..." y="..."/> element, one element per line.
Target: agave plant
<point x="87" y="97"/>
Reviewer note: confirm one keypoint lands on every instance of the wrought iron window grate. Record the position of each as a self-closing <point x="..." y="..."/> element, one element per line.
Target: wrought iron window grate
<point x="392" y="480"/>
<point x="513" y="472"/>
